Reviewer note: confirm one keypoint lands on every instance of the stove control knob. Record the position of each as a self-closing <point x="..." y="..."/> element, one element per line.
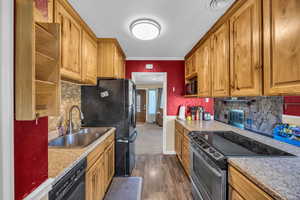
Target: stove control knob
<point x="211" y="151"/>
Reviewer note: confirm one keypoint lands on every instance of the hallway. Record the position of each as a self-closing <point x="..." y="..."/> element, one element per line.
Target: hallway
<point x="163" y="175"/>
<point x="149" y="140"/>
<point x="163" y="178"/>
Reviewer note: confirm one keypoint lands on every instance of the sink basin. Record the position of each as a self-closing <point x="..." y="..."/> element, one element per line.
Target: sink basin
<point x="79" y="139"/>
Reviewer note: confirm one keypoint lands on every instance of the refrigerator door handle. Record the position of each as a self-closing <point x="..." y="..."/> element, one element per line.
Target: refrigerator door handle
<point x="122" y="140"/>
<point x="133" y="137"/>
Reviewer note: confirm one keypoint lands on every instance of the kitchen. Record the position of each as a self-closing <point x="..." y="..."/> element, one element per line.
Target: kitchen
<point x="63" y="66"/>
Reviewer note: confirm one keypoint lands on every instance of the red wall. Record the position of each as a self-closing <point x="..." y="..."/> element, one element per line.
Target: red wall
<point x="294" y="108"/>
<point x="175" y="76"/>
<point x="31" y="155"/>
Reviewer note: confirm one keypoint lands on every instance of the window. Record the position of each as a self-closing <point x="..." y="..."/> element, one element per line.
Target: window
<point x="152" y="102"/>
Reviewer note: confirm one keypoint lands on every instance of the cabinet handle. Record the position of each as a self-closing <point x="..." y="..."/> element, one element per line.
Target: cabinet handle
<point x="258" y="67"/>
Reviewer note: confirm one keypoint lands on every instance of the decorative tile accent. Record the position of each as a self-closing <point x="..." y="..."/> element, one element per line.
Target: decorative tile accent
<point x="70" y="95"/>
<point x="260" y="116"/>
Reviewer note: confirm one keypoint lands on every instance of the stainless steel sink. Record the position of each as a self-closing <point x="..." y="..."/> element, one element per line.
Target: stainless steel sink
<point x="78" y="139"/>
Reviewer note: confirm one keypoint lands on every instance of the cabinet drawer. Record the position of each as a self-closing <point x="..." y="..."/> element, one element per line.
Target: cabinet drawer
<point x="245" y="187"/>
<point x="109" y="140"/>
<point x="93" y="156"/>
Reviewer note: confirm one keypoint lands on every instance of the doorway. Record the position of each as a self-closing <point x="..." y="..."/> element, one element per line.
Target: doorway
<point x="141" y="106"/>
<point x="151" y="86"/>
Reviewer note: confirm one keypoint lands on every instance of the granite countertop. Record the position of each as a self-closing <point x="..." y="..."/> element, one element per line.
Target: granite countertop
<point x="278" y="176"/>
<point x="61" y="161"/>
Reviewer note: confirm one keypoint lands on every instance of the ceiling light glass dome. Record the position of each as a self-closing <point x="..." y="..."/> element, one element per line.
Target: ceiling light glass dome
<point x="219" y="4"/>
<point x="145" y="29"/>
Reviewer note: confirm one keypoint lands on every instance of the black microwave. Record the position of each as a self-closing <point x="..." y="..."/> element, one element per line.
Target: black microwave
<point x="191" y="88"/>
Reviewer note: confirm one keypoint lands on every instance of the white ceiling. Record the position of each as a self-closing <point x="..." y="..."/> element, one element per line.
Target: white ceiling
<point x="183" y="23"/>
<point x="148" y="78"/>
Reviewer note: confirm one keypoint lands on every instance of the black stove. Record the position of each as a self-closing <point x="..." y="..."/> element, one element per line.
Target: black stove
<point x="209" y="153"/>
<point x="220" y="145"/>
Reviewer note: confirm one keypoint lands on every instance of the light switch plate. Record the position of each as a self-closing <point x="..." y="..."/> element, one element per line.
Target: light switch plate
<point x="149" y="66"/>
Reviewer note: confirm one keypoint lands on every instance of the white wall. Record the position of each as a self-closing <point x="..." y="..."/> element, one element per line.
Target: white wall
<point x="6" y="100"/>
<point x="291" y="119"/>
<point x="169" y="123"/>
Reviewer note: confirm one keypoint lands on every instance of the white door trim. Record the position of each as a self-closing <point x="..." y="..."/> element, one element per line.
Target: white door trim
<point x="165" y="95"/>
<point x="6" y="100"/>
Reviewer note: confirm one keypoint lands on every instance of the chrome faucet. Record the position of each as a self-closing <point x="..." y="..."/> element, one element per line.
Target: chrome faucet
<point x="70" y="123"/>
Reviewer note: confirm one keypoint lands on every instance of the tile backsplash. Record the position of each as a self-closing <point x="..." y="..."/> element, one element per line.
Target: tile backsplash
<point x="261" y="114"/>
<point x="70" y="95"/>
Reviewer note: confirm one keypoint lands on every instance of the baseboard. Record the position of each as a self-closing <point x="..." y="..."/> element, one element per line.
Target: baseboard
<point x="41" y="192"/>
<point x="169" y="153"/>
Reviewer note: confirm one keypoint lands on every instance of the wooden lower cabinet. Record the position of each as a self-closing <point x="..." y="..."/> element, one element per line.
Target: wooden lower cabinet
<point x="178" y="143"/>
<point x="110" y="163"/>
<point x="182" y="147"/>
<point x="186" y="154"/>
<point x="241" y="188"/>
<point x="95" y="177"/>
<point x="100" y="169"/>
<point x="234" y="195"/>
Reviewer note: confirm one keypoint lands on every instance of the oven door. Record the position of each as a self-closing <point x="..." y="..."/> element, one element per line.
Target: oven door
<point x="208" y="180"/>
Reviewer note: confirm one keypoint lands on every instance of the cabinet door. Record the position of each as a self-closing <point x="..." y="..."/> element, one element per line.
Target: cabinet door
<point x="233" y="195"/>
<point x="70" y="44"/>
<point x="186" y="155"/>
<point x="176" y="142"/>
<point x="93" y="182"/>
<point x="179" y="144"/>
<point x="245" y="50"/>
<point x="89" y="59"/>
<point x="220" y="62"/>
<point x="106" y="60"/>
<point x="117" y="63"/>
<point x="102" y="175"/>
<point x="204" y="69"/>
<point x="110" y="163"/>
<point x="281" y="47"/>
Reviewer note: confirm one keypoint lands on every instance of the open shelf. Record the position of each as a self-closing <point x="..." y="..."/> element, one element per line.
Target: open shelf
<point x="46" y="68"/>
<point x="46" y="40"/>
<point x="46" y="98"/>
<point x="191" y="76"/>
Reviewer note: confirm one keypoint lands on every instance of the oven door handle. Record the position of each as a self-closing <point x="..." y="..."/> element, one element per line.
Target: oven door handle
<point x="216" y="172"/>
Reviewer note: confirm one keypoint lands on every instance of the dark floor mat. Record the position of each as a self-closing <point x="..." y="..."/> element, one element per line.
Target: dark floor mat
<point x="125" y="188"/>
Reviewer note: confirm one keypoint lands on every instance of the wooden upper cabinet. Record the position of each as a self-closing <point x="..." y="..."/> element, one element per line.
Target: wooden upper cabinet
<point x="220" y="62"/>
<point x="89" y="59"/>
<point x="37" y="64"/>
<point x="191" y="67"/>
<point x="281" y="47"/>
<point x="204" y="69"/>
<point x="106" y="55"/>
<point x="245" y="50"/>
<point x="111" y="59"/>
<point x="71" y="34"/>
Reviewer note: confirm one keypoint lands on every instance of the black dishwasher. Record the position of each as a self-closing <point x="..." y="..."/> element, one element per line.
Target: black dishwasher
<point x="72" y="185"/>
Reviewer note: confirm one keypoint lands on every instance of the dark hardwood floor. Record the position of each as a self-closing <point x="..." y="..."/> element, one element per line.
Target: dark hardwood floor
<point x="163" y="178"/>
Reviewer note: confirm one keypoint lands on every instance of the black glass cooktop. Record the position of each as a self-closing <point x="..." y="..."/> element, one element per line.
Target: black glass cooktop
<point x="233" y="144"/>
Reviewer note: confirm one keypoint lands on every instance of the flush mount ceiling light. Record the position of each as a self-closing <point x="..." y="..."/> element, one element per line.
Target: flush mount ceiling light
<point x="218" y="4"/>
<point x="145" y="29"/>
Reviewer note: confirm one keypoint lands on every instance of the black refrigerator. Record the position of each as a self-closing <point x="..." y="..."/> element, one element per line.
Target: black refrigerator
<point x="112" y="103"/>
